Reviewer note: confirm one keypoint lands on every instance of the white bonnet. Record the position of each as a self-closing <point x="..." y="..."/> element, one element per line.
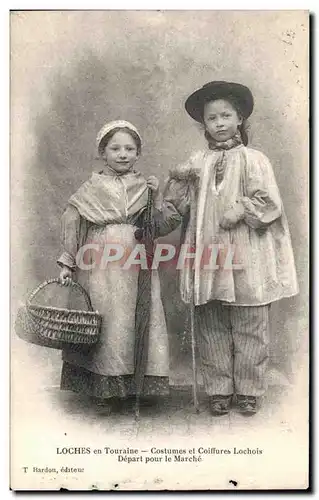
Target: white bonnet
<point x="111" y="126"/>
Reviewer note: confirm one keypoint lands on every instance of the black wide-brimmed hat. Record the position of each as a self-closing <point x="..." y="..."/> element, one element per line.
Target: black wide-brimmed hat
<point x="238" y="94"/>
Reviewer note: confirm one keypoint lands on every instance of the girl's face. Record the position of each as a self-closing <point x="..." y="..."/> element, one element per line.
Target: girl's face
<point x="221" y="120"/>
<point x="120" y="153"/>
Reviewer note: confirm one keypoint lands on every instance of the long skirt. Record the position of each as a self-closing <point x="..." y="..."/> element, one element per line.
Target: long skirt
<point x="107" y="369"/>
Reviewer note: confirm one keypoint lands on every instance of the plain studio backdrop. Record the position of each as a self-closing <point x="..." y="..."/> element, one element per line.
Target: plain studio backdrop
<point x="74" y="71"/>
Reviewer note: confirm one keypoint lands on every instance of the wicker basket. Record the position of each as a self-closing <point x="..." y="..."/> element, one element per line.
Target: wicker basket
<point x="57" y="327"/>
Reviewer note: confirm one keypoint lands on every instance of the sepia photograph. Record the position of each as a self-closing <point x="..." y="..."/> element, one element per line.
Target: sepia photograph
<point x="159" y="250"/>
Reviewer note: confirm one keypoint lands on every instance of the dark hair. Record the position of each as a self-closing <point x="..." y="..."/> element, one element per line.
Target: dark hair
<point x="243" y="132"/>
<point x="112" y="132"/>
<point x="242" y="128"/>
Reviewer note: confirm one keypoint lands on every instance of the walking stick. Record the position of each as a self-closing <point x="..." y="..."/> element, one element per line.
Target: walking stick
<point x="193" y="342"/>
<point x="143" y="305"/>
<point x="192" y="305"/>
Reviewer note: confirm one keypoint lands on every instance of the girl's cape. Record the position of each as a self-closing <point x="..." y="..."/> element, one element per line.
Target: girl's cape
<point x="100" y="199"/>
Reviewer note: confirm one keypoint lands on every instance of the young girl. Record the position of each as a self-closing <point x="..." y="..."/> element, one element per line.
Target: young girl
<point x="229" y="202"/>
<point x="107" y="209"/>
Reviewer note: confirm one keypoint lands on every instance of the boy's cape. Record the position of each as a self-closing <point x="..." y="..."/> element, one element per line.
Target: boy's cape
<point x="249" y="176"/>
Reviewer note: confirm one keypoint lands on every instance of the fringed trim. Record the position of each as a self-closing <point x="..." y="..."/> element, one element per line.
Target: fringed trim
<point x="189" y="171"/>
<point x="81" y="380"/>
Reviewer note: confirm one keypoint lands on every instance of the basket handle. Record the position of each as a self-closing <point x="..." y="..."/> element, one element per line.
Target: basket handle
<point x="57" y="280"/>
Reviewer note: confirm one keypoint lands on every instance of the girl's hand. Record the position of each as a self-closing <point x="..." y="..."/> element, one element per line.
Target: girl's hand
<point x="65" y="277"/>
<point x="153" y="184"/>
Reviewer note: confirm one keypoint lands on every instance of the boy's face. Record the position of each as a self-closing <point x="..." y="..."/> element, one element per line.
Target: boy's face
<point x="120" y="153"/>
<point x="221" y="120"/>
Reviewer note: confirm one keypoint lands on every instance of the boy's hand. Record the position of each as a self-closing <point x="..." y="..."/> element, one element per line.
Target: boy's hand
<point x="232" y="216"/>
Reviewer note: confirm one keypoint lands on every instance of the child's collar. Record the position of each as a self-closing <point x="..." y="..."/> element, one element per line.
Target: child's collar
<point x="191" y="170"/>
<point x="233" y="142"/>
<point x="110" y="171"/>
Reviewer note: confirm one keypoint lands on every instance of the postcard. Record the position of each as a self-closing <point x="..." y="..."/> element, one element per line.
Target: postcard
<point x="159" y="250"/>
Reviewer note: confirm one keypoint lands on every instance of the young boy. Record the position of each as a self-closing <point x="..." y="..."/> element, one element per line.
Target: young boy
<point x="228" y="198"/>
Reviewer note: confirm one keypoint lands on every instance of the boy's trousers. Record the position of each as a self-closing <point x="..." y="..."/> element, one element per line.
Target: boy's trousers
<point x="233" y="344"/>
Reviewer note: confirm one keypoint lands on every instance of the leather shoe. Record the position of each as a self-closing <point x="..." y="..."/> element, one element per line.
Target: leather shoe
<point x="247" y="405"/>
<point x="220" y="404"/>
